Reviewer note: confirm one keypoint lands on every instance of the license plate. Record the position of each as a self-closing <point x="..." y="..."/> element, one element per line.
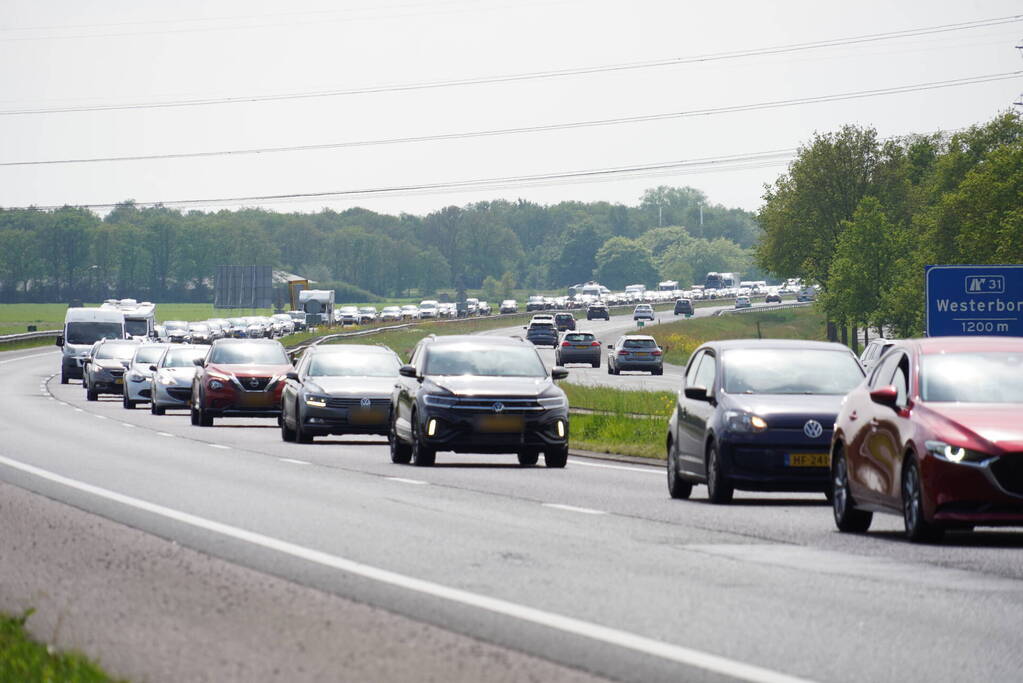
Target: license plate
<point x="582" y="346"/>
<point x="640" y="353"/>
<point x="255" y="400"/>
<point x="808" y="460"/>
<point x="501" y="423"/>
<point x="367" y="417"/>
<point x="119" y="380"/>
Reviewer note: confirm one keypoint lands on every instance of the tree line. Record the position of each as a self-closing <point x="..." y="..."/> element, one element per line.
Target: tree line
<point x="162" y="254"/>
<point x="863" y="216"/>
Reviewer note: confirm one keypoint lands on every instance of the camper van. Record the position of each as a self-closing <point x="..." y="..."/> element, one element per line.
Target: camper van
<point x="318" y="305"/>
<point x="139" y="318"/>
<point x="83" y="327"/>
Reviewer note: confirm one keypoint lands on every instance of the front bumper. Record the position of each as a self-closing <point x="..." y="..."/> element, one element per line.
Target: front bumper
<point x="171" y="395"/>
<point x="989" y="493"/>
<point x="348" y="420"/>
<point x="138" y="390"/>
<point x="465" y="431"/>
<point x="760" y="462"/>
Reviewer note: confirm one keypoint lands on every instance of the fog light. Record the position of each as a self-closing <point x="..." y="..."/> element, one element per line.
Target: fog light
<point x="561" y="429"/>
<point x="431" y="427"/>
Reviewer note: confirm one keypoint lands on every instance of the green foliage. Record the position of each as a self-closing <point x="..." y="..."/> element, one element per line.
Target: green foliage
<point x="23" y="659"/>
<point x="619" y="401"/>
<point x="621" y="261"/>
<point x="607" y="433"/>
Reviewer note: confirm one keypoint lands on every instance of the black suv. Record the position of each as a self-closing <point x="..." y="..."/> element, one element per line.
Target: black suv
<point x="598" y="311"/>
<point x="471" y="394"/>
<point x="542" y="334"/>
<point x="564" y="321"/>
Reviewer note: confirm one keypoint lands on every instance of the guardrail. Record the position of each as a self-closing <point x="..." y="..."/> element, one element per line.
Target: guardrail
<point x="758" y="309"/>
<point x="26" y="336"/>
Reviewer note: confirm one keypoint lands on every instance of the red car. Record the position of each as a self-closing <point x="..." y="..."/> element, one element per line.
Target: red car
<point x="934" y="434"/>
<point x="239" y="378"/>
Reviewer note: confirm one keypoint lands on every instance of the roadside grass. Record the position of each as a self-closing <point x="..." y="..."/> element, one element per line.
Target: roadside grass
<point x="619" y="401"/>
<point x="24" y="660"/>
<point x="602" y="433"/>
<point x="679" y="339"/>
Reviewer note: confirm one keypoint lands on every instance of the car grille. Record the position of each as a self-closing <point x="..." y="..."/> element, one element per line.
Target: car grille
<point x="180" y="393"/>
<point x="356" y="402"/>
<point x="485" y="406"/>
<point x="1008" y="471"/>
<point x="116" y="373"/>
<point x="254" y="383"/>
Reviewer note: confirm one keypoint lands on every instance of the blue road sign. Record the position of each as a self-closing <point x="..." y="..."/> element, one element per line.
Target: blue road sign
<point x="974" y="300"/>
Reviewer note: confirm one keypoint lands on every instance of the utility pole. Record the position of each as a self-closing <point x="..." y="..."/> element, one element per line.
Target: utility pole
<point x="660" y="216"/>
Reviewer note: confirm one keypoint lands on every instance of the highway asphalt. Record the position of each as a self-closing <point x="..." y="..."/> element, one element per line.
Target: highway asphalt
<point x="593" y="569"/>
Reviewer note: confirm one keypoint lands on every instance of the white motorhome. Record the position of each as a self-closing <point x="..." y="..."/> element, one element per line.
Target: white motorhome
<point x="83" y="327"/>
<point x="667" y="286"/>
<point x="139" y="318"/>
<point x="318" y="305"/>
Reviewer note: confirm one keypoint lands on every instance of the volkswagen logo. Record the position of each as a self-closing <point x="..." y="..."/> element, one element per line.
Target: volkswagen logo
<point x="813" y="429"/>
<point x="498" y="407"/>
<point x="365" y="403"/>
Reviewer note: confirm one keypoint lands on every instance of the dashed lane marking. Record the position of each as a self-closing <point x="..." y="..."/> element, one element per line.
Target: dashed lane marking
<point x="165" y="434"/>
<point x="217" y="445"/>
<point x="644" y="470"/>
<point x="295" y="462"/>
<point x="572" y="508"/>
<point x="403" y="480"/>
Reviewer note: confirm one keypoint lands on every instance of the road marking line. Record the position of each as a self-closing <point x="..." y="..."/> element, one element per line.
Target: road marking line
<point x="406" y="481"/>
<point x="34" y="355"/>
<point x="295" y="462"/>
<point x="572" y="508"/>
<point x="644" y="470"/>
<point x="100" y="417"/>
<point x="571" y="625"/>
<point x="217" y="445"/>
<point x="79" y="410"/>
<point x="128" y="425"/>
<point x="164" y="434"/>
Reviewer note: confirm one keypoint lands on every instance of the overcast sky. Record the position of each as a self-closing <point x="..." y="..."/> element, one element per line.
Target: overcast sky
<point x="70" y="53"/>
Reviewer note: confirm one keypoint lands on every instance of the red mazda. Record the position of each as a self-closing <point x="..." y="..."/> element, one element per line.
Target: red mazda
<point x="239" y="378"/>
<point x="934" y="434"/>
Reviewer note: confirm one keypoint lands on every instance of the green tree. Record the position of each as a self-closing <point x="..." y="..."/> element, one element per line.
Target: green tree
<point x="621" y="261"/>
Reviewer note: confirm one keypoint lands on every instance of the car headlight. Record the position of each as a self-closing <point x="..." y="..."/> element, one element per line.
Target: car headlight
<point x="956" y="454"/>
<point x="165" y="379"/>
<point x="743" y="422"/>
<point x="553" y="402"/>
<point x="316" y="401"/>
<point x="439" y="401"/>
<point x="136" y="377"/>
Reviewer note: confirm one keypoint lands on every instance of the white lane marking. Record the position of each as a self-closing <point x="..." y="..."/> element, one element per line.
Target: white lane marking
<point x="217" y="445"/>
<point x="100" y="417"/>
<point x="79" y="410"/>
<point x="644" y="470"/>
<point x="572" y="508"/>
<point x="128" y="425"/>
<point x="605" y="634"/>
<point x="406" y="481"/>
<point x="295" y="462"/>
<point x="34" y="355"/>
<point x="165" y="434"/>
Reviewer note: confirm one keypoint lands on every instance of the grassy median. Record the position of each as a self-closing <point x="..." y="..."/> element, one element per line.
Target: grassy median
<point x="26" y="661"/>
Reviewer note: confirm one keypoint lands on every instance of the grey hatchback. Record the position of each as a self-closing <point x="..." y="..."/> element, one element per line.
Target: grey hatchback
<point x="635" y="352"/>
<point x="578" y="347"/>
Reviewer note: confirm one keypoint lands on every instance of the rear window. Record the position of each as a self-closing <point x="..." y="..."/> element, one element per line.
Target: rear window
<point x="541" y="326"/>
<point x="579" y="337"/>
<point x="639" y="343"/>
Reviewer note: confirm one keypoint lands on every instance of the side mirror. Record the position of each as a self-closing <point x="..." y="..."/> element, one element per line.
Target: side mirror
<point x="886" y="396"/>
<point x="59" y="341"/>
<point x="559" y="373"/>
<point x="697" y="393"/>
<point x="292" y="375"/>
<point x="199" y="362"/>
<point x="152" y="368"/>
<point x="407" y="371"/>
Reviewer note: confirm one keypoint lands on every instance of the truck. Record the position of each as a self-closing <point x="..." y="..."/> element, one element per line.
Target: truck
<point x="83" y="327"/>
<point x="318" y="305"/>
<point x="139" y="317"/>
<point x="721" y="280"/>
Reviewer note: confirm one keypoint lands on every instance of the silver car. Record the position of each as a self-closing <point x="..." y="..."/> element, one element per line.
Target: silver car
<point x="103" y="369"/>
<point x="171" y="383"/>
<point x="138" y="377"/>
<point x="635" y="352"/>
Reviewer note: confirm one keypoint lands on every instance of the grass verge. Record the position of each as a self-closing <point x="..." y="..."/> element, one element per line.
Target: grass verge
<point x="679" y="339"/>
<point x="24" y="660"/>
<point x="619" y="401"/>
<point x="602" y="433"/>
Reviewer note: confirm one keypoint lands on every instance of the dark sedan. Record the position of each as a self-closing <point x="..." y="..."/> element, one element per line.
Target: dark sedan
<point x="934" y="435"/>
<point x="542" y="334"/>
<point x="757" y="415"/>
<point x="342" y="389"/>
<point x="578" y="347"/>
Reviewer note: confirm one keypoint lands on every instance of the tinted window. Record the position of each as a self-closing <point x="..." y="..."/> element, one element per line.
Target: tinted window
<point x="883" y="371"/>
<point x="472" y="359"/>
<point x="705" y="375"/>
<point x="988" y="377"/>
<point x="694" y="364"/>
<point x="901" y="381"/>
<point x="148" y="354"/>
<point x="249" y="354"/>
<point x="639" y="344"/>
<point x="790" y="371"/>
<point x="579" y="337"/>
<point x="353" y="364"/>
<point x="137" y="328"/>
<point x="89" y="333"/>
<point x="181" y="358"/>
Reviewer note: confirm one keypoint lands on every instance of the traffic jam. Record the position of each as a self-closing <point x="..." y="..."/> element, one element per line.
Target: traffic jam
<point x="927" y="429"/>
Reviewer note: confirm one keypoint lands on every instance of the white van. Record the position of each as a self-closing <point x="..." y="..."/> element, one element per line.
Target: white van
<point x="83" y="327"/>
<point x="139" y="318"/>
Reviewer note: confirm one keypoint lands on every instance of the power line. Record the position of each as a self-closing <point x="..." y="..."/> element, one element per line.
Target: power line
<point x="534" y="75"/>
<point x="540" y="128"/>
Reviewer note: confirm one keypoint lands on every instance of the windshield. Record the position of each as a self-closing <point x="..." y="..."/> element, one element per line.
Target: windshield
<point x="249" y="354"/>
<point x="118" y="351"/>
<point x="790" y="371"/>
<point x="199" y="327"/>
<point x="988" y="377"/>
<point x="136" y="328"/>
<point x="470" y="359"/>
<point x="353" y="364"/>
<point x="181" y="358"/>
<point x="148" y="354"/>
<point x="89" y="333"/>
<point x="175" y="325"/>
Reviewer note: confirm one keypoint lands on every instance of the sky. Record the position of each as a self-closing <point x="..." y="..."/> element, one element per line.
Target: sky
<point x="111" y="57"/>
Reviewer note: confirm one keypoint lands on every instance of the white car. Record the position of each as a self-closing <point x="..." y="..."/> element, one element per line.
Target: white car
<point x="171" y="383"/>
<point x="643" y="312"/>
<point x="137" y="377"/>
<point x="742" y="302"/>
<point x="390" y="313"/>
<point x="410" y="312"/>
<point x="429" y="309"/>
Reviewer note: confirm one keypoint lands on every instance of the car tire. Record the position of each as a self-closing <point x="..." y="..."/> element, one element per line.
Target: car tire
<point x="528" y="458"/>
<point x="719" y="491"/>
<point x="678" y="487"/>
<point x="556" y="457"/>
<point x="401" y="452"/>
<point x="287" y="433"/>
<point x="126" y="402"/>
<point x="63" y="377"/>
<point x="90" y="393"/>
<point x="194" y="415"/>
<point x="422" y="455"/>
<point x="609" y="370"/>
<point x="847" y="518"/>
<point x="918" y="529"/>
<point x="596" y="363"/>
<point x="301" y="435"/>
<point x="659" y="371"/>
<point x="205" y="419"/>
<point x="156" y="410"/>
